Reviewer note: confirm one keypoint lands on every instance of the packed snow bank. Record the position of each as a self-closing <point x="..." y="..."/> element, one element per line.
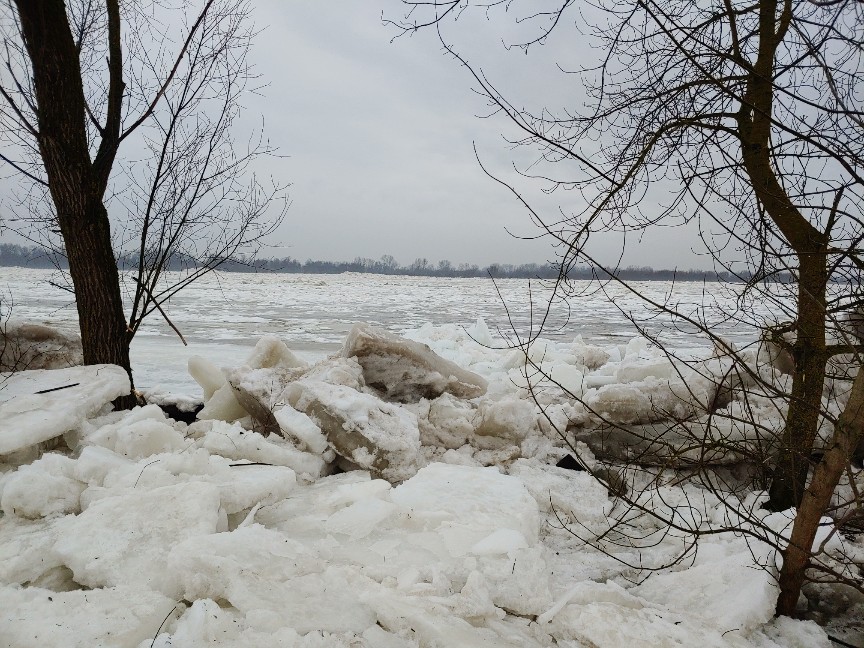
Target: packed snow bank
<point x="39" y="405"/>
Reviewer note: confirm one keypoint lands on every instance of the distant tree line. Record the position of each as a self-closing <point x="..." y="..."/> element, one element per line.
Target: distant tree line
<point x="34" y="257"/>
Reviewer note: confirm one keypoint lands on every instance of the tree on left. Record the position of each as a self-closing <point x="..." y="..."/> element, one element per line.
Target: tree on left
<point x="85" y="78"/>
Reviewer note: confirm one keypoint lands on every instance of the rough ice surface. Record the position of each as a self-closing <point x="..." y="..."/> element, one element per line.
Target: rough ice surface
<point x="67" y="398"/>
<point x="45" y="487"/>
<point x="405" y="370"/>
<point x="121" y="540"/>
<point x="143" y="432"/>
<point x="30" y="345"/>
<point x="115" y="616"/>
<point x="362" y="503"/>
<point x="374" y="435"/>
<point x="232" y="441"/>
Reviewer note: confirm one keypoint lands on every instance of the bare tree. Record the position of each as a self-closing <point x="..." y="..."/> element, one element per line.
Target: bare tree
<point x="749" y="111"/>
<point x="83" y="81"/>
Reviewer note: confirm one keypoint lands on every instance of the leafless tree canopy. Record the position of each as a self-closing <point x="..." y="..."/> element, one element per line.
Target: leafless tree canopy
<point x="163" y="83"/>
<point x="749" y="117"/>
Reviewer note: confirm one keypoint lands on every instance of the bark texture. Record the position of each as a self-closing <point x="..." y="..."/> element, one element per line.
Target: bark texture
<point x="76" y="182"/>
<point x="848" y="432"/>
<point x="811" y="249"/>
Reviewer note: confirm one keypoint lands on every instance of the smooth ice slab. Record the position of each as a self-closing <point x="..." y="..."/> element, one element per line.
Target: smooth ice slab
<point x="42" y="404"/>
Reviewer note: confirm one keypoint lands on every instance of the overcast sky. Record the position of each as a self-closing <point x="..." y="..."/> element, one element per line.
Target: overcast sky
<point x="380" y="135"/>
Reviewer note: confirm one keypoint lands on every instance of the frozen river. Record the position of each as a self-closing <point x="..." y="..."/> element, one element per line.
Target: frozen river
<point x="223" y="316"/>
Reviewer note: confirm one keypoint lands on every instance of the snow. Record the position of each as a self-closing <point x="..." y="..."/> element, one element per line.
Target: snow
<point x="354" y="518"/>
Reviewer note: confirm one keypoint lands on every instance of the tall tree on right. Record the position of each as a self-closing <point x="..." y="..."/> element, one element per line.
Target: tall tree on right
<point x="751" y="113"/>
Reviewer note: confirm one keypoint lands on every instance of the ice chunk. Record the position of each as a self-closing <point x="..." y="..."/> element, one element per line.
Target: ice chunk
<point x="724" y="586"/>
<point x="123" y="539"/>
<point x="45" y="487"/>
<point x="264" y="573"/>
<point x="449" y="423"/>
<point x="564" y="493"/>
<point x="270" y="352"/>
<point x="404" y="370"/>
<point x="502" y="541"/>
<point x="360" y="518"/>
<point x="258" y="391"/>
<point x="652" y="399"/>
<point x="245" y="486"/>
<point x="222" y="406"/>
<point x="251" y="389"/>
<point x="518" y="582"/>
<point x="27" y="345"/>
<point x="215" y="565"/>
<point x="376" y="436"/>
<point x="206" y="374"/>
<point x="467" y="504"/>
<point x="432" y="625"/>
<point x="296" y="425"/>
<point x="26" y="550"/>
<point x="569" y="378"/>
<point x="479" y="332"/>
<point x="119" y="616"/>
<point x="338" y="371"/>
<point x="509" y="419"/>
<point x="791" y="633"/>
<point x="232" y="441"/>
<point x="95" y="463"/>
<point x="42" y="404"/>
<point x="142" y="432"/>
<point x="590" y="356"/>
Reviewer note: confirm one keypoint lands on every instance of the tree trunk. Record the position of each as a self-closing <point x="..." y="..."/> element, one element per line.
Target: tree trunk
<point x="76" y="183"/>
<point x="802" y="419"/>
<point x="810" y="246"/>
<point x="816" y="498"/>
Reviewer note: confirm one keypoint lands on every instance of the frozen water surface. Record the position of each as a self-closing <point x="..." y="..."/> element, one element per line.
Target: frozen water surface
<point x="222" y="316"/>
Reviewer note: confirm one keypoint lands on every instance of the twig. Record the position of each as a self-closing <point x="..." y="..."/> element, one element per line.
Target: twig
<point x="53" y="389"/>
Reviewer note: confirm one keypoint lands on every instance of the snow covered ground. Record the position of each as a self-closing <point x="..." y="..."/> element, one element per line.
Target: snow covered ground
<point x="388" y="498"/>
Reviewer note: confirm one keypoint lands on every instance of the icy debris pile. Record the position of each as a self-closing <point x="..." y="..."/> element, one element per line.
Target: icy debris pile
<point x="373" y="435"/>
<point x="384" y="404"/>
<point x="28" y="345"/>
<point x="381" y="498"/>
